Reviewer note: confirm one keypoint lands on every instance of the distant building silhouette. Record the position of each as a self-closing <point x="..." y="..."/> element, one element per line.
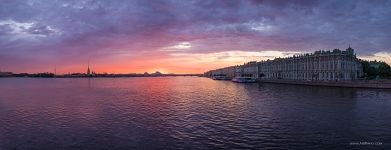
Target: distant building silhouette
<point x="157" y="73"/>
<point x="6" y="74"/>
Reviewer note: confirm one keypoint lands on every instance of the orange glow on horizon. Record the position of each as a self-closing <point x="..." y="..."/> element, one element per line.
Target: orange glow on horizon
<point x="173" y="62"/>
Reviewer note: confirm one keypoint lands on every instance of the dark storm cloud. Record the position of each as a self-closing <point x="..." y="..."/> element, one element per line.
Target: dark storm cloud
<point x="75" y="29"/>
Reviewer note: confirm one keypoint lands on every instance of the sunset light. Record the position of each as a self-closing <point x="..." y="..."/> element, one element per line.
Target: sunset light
<point x="195" y="74"/>
<point x="176" y="36"/>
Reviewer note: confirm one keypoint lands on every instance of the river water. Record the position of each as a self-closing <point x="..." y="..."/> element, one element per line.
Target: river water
<point x="189" y="113"/>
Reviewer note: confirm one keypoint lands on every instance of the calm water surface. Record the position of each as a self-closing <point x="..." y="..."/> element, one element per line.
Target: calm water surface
<point x="188" y="113"/>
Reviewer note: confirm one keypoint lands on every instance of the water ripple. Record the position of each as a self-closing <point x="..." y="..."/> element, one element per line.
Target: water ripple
<point x="187" y="113"/>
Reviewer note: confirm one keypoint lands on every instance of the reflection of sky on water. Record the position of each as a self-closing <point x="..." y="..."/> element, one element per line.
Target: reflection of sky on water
<point x="185" y="112"/>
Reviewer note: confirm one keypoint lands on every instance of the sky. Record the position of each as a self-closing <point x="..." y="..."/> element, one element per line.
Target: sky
<point x="183" y="36"/>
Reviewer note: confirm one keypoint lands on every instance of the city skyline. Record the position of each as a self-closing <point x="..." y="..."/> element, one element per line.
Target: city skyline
<point x="90" y="70"/>
<point x="182" y="36"/>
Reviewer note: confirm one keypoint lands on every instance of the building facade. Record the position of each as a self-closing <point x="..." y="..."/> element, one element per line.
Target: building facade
<point x="229" y="72"/>
<point x="321" y="65"/>
<point x="333" y="65"/>
<point x="249" y="69"/>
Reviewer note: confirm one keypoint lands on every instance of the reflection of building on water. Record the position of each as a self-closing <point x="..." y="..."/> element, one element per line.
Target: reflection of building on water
<point x="320" y="65"/>
<point x="316" y="91"/>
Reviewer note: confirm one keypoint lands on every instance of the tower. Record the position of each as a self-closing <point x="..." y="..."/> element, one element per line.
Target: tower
<point x="88" y="68"/>
<point x="350" y="50"/>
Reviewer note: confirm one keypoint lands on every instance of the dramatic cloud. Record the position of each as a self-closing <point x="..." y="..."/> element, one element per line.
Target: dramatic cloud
<point x="140" y="35"/>
<point x="380" y="56"/>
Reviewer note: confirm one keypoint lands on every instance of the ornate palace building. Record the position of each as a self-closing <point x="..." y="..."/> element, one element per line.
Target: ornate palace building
<point x="321" y="65"/>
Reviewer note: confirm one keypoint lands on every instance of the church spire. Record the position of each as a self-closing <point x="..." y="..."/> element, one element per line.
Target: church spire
<point x="88" y="68"/>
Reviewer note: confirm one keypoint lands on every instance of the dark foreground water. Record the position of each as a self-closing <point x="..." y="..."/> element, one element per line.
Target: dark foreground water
<point x="189" y="113"/>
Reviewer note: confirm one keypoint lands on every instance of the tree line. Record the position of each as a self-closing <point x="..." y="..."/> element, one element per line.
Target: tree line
<point x="376" y="69"/>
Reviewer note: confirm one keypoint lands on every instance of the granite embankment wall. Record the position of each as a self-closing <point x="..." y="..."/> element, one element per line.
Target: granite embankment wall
<point x="384" y="84"/>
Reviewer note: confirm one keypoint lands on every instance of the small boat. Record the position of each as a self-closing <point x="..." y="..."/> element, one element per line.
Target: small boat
<point x="243" y="80"/>
<point x="219" y="77"/>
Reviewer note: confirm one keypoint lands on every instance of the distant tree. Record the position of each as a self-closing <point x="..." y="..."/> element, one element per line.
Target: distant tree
<point x="369" y="72"/>
<point x="384" y="70"/>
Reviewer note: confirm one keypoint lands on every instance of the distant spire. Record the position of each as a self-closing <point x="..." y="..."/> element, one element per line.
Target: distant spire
<point x="88" y="68"/>
<point x="55" y="69"/>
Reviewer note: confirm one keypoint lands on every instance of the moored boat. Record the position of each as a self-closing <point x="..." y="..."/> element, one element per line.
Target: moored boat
<point x="243" y="80"/>
<point x="219" y="77"/>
